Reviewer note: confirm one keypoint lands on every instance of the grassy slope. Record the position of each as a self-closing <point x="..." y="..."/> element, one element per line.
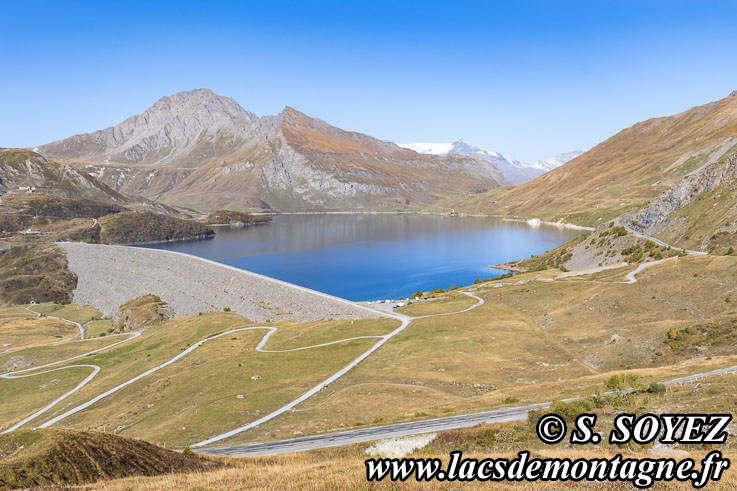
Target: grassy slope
<point x="622" y="173"/>
<point x="344" y="468"/>
<point x="532" y="341"/>
<point x="76" y="313"/>
<point x="133" y="228"/>
<point x="451" y="303"/>
<point x="23" y="332"/>
<point x="195" y="397"/>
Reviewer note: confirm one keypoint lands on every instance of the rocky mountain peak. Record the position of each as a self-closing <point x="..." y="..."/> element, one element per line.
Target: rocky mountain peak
<point x="464" y="147"/>
<point x="200" y="104"/>
<point x="733" y="94"/>
<point x="168" y="129"/>
<point x="291" y="115"/>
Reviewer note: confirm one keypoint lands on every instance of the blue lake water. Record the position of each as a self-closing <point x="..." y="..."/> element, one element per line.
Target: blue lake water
<point x="371" y="257"/>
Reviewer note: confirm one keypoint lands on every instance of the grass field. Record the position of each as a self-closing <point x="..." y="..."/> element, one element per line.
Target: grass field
<point x="344" y="468"/>
<point x="76" y="313"/>
<point x="222" y="384"/>
<point x="21" y="332"/>
<point x="531" y="342"/>
<point x="452" y="303"/>
<point x="94" y="329"/>
<point x="41" y="355"/>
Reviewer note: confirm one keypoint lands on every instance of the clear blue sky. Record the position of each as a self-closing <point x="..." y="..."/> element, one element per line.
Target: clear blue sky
<point x="527" y="78"/>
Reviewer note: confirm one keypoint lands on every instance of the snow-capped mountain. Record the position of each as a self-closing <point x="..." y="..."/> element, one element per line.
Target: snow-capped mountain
<point x="557" y="161"/>
<point x="514" y="170"/>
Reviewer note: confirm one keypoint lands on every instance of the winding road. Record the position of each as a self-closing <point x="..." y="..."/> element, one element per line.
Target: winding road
<point x="383" y="339"/>
<point x="313" y="442"/>
<point x="405" y="320"/>
<point x="310" y="442"/>
<point x="95" y="369"/>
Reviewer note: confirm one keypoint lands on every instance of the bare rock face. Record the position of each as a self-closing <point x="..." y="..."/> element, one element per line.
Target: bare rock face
<point x="659" y="214"/>
<point x="174" y="128"/>
<point x="200" y="149"/>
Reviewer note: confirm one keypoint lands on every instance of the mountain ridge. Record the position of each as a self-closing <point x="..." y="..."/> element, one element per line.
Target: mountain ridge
<point x="517" y="172"/>
<point x="202" y="150"/>
<point x="622" y="173"/>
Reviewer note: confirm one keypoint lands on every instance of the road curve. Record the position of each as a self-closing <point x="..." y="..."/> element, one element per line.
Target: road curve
<point x="660" y="242"/>
<point x="79" y="326"/>
<point x="287" y="407"/>
<point x="405" y="320"/>
<point x="95" y="370"/>
<point x="325" y="440"/>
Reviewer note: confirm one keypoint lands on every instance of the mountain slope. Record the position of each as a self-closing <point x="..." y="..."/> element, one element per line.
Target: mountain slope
<point x="517" y="172"/>
<point x="24" y="169"/>
<point x="202" y="150"/>
<point x="699" y="212"/>
<point x="183" y="128"/>
<point x="625" y="171"/>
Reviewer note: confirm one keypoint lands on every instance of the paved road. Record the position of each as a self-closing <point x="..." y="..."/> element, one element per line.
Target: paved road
<point x="375" y="433"/>
<point x="403" y="429"/>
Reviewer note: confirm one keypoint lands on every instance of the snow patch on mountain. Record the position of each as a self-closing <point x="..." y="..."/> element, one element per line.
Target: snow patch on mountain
<point x="557" y="161"/>
<point x="514" y="170"/>
<point x="429" y="148"/>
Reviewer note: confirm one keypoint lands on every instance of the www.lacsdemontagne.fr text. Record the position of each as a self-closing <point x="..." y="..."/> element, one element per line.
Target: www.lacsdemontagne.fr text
<point x="642" y="473"/>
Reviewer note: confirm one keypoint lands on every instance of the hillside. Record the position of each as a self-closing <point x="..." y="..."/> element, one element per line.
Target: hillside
<point x="229" y="217"/>
<point x="144" y="228"/>
<point x="22" y="170"/>
<point x="699" y="212"/>
<point x="63" y="457"/>
<point x="622" y="173"/>
<point x="201" y="150"/>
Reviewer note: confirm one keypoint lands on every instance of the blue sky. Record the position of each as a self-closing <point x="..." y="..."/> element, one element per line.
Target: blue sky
<point x="526" y="78"/>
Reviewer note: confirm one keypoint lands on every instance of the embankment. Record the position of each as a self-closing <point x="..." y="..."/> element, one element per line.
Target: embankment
<point x="109" y="276"/>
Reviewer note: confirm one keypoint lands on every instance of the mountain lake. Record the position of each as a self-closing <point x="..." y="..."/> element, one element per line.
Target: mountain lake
<point x="376" y="256"/>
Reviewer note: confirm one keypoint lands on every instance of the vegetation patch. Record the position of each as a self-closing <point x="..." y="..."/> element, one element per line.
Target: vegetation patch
<point x="142" y="228"/>
<point x="35" y="273"/>
<point x="231" y="217"/>
<point x="33" y="458"/>
<point x="145" y="311"/>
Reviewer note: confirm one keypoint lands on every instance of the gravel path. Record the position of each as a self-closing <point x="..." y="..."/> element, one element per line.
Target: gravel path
<point x="109" y="276"/>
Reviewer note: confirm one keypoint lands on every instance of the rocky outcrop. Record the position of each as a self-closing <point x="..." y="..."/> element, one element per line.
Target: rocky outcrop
<point x="657" y="216"/>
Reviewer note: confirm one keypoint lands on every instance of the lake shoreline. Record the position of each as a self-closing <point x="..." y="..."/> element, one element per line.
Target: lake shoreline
<point x="532" y="222"/>
<point x="377" y="255"/>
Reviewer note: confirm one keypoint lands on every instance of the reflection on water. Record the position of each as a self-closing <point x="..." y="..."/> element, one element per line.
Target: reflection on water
<point x="367" y="257"/>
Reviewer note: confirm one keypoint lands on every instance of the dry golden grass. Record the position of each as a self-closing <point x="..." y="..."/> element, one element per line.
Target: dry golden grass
<point x="317" y="473"/>
<point x="23" y="332"/>
<point x="621" y="173"/>
<point x="221" y="385"/>
<point x="452" y="303"/>
<point x="533" y="342"/>
<point x="343" y="468"/>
